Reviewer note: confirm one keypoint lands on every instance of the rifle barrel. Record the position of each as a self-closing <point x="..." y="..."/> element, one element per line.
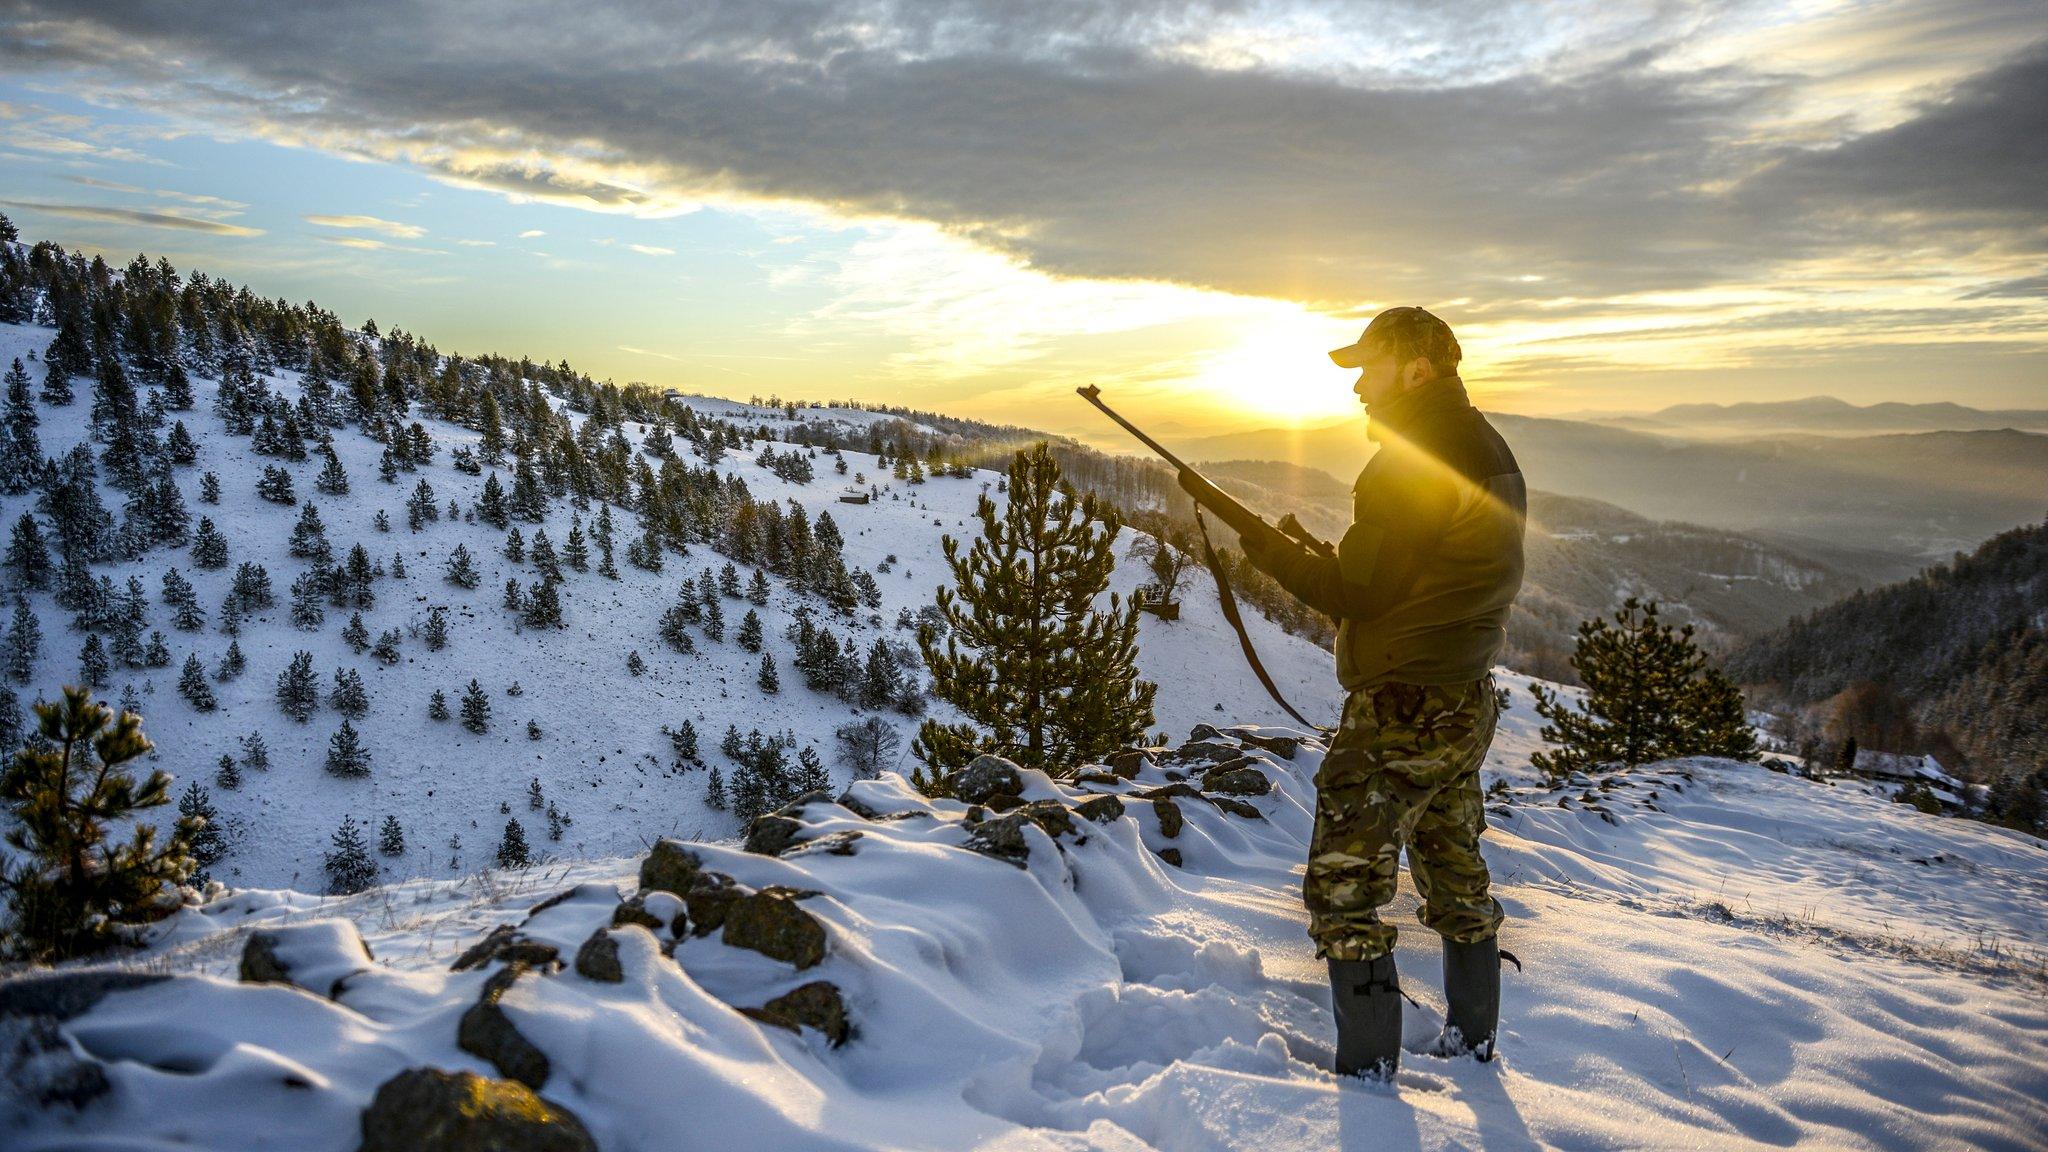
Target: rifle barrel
<point x="1093" y="395"/>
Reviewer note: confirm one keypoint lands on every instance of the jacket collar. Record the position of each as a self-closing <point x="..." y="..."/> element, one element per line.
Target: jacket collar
<point x="1406" y="410"/>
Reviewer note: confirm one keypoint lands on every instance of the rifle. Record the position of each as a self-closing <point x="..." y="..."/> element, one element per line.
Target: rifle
<point x="1206" y="494"/>
<point x="1239" y="517"/>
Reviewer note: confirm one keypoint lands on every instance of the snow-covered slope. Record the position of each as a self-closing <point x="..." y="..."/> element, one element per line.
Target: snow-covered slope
<point x="1713" y="956"/>
<point x="601" y="757"/>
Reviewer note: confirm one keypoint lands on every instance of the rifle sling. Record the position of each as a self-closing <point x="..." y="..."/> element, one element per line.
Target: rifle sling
<point x="1229" y="602"/>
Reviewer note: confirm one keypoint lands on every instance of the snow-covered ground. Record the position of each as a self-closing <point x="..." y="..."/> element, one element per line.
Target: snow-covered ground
<point x="601" y="758"/>
<point x="1713" y="955"/>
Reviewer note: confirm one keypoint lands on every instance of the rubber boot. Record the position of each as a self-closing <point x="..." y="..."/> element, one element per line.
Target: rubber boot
<point x="1366" y="997"/>
<point x="1472" y="988"/>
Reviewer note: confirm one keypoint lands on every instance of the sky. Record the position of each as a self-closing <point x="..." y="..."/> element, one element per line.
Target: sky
<point x="975" y="206"/>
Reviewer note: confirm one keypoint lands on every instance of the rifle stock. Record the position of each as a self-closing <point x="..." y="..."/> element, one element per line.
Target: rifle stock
<point x="1206" y="494"/>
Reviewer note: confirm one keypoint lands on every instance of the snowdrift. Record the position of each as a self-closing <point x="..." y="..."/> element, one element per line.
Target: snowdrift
<point x="1715" y="955"/>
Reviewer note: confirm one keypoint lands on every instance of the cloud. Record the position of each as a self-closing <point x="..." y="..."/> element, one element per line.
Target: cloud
<point x="532" y="234"/>
<point x="111" y="215"/>
<point x="478" y="243"/>
<point x="651" y="250"/>
<point x="368" y="224"/>
<point x="366" y="244"/>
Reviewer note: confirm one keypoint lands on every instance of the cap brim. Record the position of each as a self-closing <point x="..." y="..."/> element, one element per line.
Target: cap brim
<point x="1349" y="356"/>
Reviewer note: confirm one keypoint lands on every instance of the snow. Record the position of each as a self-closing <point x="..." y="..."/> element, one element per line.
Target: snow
<point x="1714" y="954"/>
<point x="602" y="758"/>
<point x="1717" y="955"/>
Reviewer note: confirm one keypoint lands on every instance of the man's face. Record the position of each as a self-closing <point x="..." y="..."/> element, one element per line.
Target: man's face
<point x="1379" y="378"/>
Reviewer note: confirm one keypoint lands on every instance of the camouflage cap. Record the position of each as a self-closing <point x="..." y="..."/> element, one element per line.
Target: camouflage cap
<point x="1405" y="330"/>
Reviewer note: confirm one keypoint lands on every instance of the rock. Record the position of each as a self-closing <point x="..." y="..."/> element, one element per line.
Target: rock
<point x="633" y="910"/>
<point x="1050" y="815"/>
<point x="771" y="923"/>
<point x="1126" y="762"/>
<point x="1101" y="809"/>
<point x="488" y="1034"/>
<point x="428" y="1110"/>
<point x="1238" y="761"/>
<point x="1107" y="779"/>
<point x="598" y="959"/>
<point x="772" y="835"/>
<point x="1236" y="781"/>
<point x="1174" y="789"/>
<point x="1170" y="819"/>
<point x="318" y="956"/>
<point x="579" y="892"/>
<point x="857" y="806"/>
<point x="708" y="900"/>
<point x="63" y="995"/>
<point x="512" y="946"/>
<point x="39" y="1065"/>
<point x="1002" y="838"/>
<point x="1282" y="746"/>
<point x="1215" y="750"/>
<point x="670" y="867"/>
<point x="1170" y="855"/>
<point x="816" y="1005"/>
<point x="1205" y="732"/>
<point x="1004" y="802"/>
<point x="838" y="843"/>
<point x="987" y="776"/>
<point x="795" y="808"/>
<point x="1237" y="807"/>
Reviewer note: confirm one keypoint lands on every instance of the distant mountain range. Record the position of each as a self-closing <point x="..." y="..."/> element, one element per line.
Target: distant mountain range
<point x="1916" y="495"/>
<point x="1825" y="415"/>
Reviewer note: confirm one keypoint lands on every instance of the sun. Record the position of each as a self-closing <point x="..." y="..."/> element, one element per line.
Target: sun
<point x="1277" y="367"/>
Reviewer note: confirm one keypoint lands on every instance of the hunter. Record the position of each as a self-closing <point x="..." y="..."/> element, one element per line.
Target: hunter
<point x="1420" y="587"/>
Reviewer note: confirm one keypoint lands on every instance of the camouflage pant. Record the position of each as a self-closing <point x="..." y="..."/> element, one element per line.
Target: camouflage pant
<point x="1403" y="771"/>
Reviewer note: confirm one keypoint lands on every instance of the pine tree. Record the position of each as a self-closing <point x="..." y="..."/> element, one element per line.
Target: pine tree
<point x="749" y="635"/>
<point x="515" y="547"/>
<point x="349" y="866"/>
<point x="435" y="631"/>
<point x="491" y="505"/>
<point x="635" y="664"/>
<point x="1042" y="677"/>
<point x="209" y="489"/>
<point x="28" y="557"/>
<point x="348" y="696"/>
<point x="437" y="705"/>
<point x="768" y="679"/>
<point x="542" y="606"/>
<point x="355" y="633"/>
<point x="461" y="569"/>
<point x="421" y="507"/>
<point x="714" y="621"/>
<point x="810" y="773"/>
<point x="232" y="662"/>
<point x="158" y="654"/>
<point x="557" y="822"/>
<point x="193" y="687"/>
<point x="24" y="642"/>
<point x="333" y="479"/>
<point x="255" y="753"/>
<point x="512" y="850"/>
<point x="180" y="446"/>
<point x="209" y="843"/>
<point x="757" y="589"/>
<point x="209" y="546"/>
<point x="1650" y="695"/>
<point x="92" y="662"/>
<point x="345" y="753"/>
<point x="476" y="709"/>
<point x="309" y="535"/>
<point x="575" y="550"/>
<point x="229" y="774"/>
<point x="683" y="742"/>
<point x="71" y="889"/>
<point x="391" y="837"/>
<point x="385" y="650"/>
<point x="714" y="790"/>
<point x="298" y="689"/>
<point x="276" y="486"/>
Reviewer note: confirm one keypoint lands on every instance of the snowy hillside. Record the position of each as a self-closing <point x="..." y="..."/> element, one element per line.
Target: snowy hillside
<point x="601" y="757"/>
<point x="1713" y="955"/>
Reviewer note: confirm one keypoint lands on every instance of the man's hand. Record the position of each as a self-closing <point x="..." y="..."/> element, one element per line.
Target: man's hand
<point x="1264" y="542"/>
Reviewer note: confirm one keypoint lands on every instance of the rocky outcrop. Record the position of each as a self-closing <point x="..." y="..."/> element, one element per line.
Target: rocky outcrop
<point x="817" y="1005"/>
<point x="710" y="896"/>
<point x="318" y="956"/>
<point x="772" y="923"/>
<point x="771" y="835"/>
<point x="670" y="866"/>
<point x="987" y="776"/>
<point x="429" y="1110"/>
<point x="1169" y="816"/>
<point x="1100" y="809"/>
<point x="488" y="1034"/>
<point x="1237" y="781"/>
<point x="598" y="958"/>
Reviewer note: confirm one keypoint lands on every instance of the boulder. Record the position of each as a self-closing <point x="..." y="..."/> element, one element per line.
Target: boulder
<point x="1237" y="807"/>
<point x="1004" y="802"/>
<point x="796" y="807"/>
<point x="1002" y="838"/>
<point x="1212" y="750"/>
<point x="63" y="995"/>
<point x="1100" y="809"/>
<point x="1170" y="819"/>
<point x="816" y="1005"/>
<point x="1282" y="746"/>
<point x="1240" y="781"/>
<point x="987" y="776"/>
<point x="670" y="867"/>
<point x="1170" y="855"/>
<point x="598" y="958"/>
<point x="1174" y="789"/>
<point x="508" y="944"/>
<point x="772" y="835"/>
<point x="488" y="1034"/>
<point x="428" y="1110"/>
<point x="1205" y="732"/>
<point x="1125" y="763"/>
<point x="838" y="843"/>
<point x="771" y="922"/>
<point x="633" y="910"/>
<point x="708" y="900"/>
<point x="1050" y="815"/>
<point x="1105" y="779"/>
<point x="318" y="956"/>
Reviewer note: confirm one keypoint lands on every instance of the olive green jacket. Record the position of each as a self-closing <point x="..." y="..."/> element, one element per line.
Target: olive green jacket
<point x="1422" y="582"/>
